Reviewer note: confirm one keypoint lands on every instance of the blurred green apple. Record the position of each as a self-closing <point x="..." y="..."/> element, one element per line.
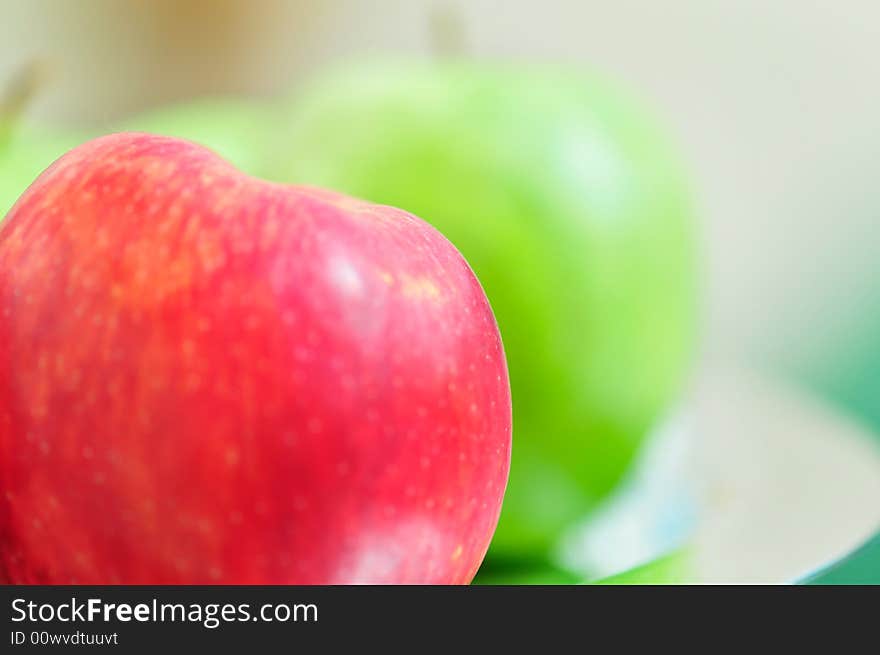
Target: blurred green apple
<point x="238" y="130"/>
<point x="25" y="152"/>
<point x="571" y="207"/>
<point x="26" y="149"/>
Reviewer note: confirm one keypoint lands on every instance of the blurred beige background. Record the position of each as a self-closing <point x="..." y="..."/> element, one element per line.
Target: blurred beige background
<point x="775" y="104"/>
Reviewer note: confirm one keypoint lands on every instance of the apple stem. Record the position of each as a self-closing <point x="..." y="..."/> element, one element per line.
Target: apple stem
<point x="18" y="94"/>
<point x="447" y="31"/>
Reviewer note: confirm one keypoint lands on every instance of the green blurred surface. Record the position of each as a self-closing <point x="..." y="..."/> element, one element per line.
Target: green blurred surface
<point x="859" y="567"/>
<point x="673" y="568"/>
<point x="522" y="572"/>
<point x="571" y="208"/>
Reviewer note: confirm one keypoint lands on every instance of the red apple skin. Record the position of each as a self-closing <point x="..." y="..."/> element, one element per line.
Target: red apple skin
<point x="207" y="378"/>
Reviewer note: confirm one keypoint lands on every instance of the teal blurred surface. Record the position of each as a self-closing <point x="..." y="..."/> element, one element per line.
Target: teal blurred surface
<point x="862" y="567"/>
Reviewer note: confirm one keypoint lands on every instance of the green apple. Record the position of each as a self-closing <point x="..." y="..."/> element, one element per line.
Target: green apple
<point x="238" y="130"/>
<point x="26" y="149"/>
<point x="25" y="152"/>
<point x="571" y="207"/>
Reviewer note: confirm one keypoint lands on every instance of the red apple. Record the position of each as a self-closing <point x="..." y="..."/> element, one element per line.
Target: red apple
<point x="209" y="378"/>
